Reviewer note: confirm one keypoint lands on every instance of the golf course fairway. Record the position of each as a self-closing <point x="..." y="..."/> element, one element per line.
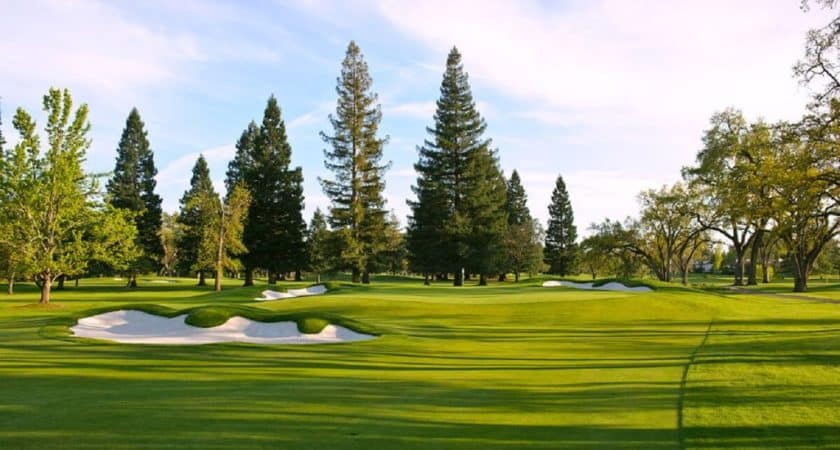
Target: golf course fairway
<point x="508" y="366"/>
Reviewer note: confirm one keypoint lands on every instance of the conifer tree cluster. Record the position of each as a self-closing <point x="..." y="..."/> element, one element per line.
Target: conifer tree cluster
<point x="274" y="230"/>
<point x="459" y="219"/>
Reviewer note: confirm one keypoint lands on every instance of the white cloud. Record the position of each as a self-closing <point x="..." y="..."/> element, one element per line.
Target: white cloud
<point x="417" y="110"/>
<point x="88" y="45"/>
<point x="595" y="194"/>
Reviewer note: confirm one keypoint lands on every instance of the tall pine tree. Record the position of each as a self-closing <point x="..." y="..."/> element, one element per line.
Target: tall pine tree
<point x="459" y="219"/>
<point x="523" y="250"/>
<point x="561" y="236"/>
<point x="517" y="201"/>
<point x="132" y="187"/>
<point x="355" y="158"/>
<point x="194" y="219"/>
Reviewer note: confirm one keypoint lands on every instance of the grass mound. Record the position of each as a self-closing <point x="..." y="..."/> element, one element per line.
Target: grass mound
<point x="311" y="325"/>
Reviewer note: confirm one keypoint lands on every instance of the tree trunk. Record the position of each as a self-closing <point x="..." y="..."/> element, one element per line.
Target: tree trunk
<point x="76" y="281"/>
<point x="458" y="280"/>
<point x="10" y="288"/>
<point x="502" y="277"/>
<point x="752" y="271"/>
<point x="201" y="280"/>
<point x="482" y="279"/>
<point x="249" y="277"/>
<point x="217" y="283"/>
<point x="426" y="281"/>
<point x="800" y="283"/>
<point x="740" y="266"/>
<point x="684" y="275"/>
<point x="318" y="278"/>
<point x="765" y="273"/>
<point x="298" y="275"/>
<point x="516" y="276"/>
<point x="46" y="284"/>
<point x="272" y="277"/>
<point x="594" y="275"/>
<point x="365" y="277"/>
<point x="132" y="280"/>
<point x="466" y="275"/>
<point x="356" y="276"/>
<point x="61" y="279"/>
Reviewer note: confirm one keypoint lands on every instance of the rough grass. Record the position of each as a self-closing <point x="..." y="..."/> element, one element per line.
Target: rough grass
<point x="505" y="366"/>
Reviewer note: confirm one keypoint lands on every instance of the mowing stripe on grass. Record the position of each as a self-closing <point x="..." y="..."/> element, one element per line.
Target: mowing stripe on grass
<point x="683" y="381"/>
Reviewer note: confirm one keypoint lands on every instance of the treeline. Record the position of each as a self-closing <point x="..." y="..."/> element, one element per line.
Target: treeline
<point x="769" y="191"/>
<point x="58" y="222"/>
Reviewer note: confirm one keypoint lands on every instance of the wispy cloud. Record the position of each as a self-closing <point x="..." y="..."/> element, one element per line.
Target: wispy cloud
<point x="418" y="110"/>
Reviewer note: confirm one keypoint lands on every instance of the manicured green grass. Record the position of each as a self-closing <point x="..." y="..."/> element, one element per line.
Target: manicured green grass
<point x="505" y="366"/>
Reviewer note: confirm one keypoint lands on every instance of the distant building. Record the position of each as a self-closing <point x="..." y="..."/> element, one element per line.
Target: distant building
<point x="703" y="266"/>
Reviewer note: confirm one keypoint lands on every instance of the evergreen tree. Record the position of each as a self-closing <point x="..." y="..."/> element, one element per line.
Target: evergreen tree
<point x="458" y="219"/>
<point x="194" y="219"/>
<point x="355" y="158"/>
<point x="517" y="201"/>
<point x="523" y="251"/>
<point x="560" y="245"/>
<point x="132" y="187"/>
<point x="242" y="171"/>
<point x="239" y="169"/>
<point x="318" y="245"/>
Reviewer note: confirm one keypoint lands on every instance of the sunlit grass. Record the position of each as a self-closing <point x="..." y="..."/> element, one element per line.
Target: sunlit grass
<point x="508" y="366"/>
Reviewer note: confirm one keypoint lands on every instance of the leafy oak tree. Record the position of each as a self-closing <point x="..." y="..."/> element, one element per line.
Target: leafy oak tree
<point x="54" y="209"/>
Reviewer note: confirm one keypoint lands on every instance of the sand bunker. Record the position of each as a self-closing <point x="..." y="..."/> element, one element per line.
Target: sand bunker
<point x="611" y="286"/>
<point x="292" y="293"/>
<point x="137" y="327"/>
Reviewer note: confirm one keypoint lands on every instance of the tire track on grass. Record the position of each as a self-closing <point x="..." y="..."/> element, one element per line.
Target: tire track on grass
<point x="684" y="380"/>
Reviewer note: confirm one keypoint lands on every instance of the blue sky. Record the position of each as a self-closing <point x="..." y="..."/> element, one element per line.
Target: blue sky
<point x="613" y="95"/>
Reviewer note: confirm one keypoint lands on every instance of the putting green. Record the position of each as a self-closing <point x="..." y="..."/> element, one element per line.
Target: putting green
<point x="502" y="367"/>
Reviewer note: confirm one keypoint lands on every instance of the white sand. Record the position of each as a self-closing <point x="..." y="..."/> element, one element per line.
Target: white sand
<point x="292" y="293"/>
<point x="137" y="327"/>
<point x="611" y="286"/>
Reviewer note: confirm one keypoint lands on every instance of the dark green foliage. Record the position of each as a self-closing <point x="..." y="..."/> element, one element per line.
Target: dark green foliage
<point x="274" y="229"/>
<point x="560" y="246"/>
<point x="458" y="220"/>
<point x="357" y="211"/>
<point x="242" y="165"/>
<point x="132" y="187"/>
<point x="194" y="220"/>
<point x="517" y="201"/>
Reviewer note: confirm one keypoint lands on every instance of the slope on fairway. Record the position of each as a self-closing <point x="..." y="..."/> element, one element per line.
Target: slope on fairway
<point x="503" y="367"/>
